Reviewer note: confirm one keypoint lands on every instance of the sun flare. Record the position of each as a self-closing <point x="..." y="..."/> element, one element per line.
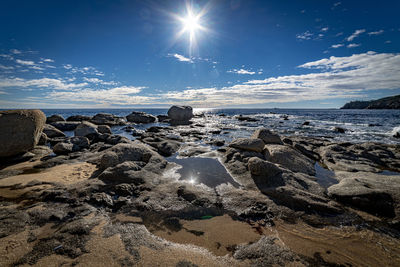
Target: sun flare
<point x="191" y="23"/>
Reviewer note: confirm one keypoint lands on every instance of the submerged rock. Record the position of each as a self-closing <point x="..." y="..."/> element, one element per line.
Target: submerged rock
<point x="20" y="131"/>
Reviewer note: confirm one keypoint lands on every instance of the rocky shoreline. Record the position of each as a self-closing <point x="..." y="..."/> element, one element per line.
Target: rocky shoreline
<point x="102" y="199"/>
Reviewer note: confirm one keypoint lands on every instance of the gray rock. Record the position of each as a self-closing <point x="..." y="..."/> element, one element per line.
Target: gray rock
<point x="20" y="131"/>
<point x="85" y="129"/>
<point x="79" y="118"/>
<point x="80" y="141"/>
<point x="140" y="117"/>
<point x="65" y="125"/>
<point x="180" y="113"/>
<point x="267" y="136"/>
<point x="374" y="193"/>
<point x="107" y="119"/>
<point x="63" y="148"/>
<point x="290" y="159"/>
<point x="162" y="118"/>
<point x="248" y="144"/>
<point x="54" y="118"/>
<point x="104" y="129"/>
<point x="264" y="168"/>
<point x="52" y="131"/>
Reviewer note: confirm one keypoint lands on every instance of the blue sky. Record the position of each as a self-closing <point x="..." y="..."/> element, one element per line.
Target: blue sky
<point x="116" y="54"/>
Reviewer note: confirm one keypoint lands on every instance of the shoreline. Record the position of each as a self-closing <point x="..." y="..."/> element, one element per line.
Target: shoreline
<point x="77" y="200"/>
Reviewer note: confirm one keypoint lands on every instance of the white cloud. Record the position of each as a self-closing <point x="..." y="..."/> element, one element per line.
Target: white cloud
<point x="341" y="77"/>
<point x="2" y="67"/>
<point x="304" y="36"/>
<point x="353" y="45"/>
<point x="47" y="83"/>
<point x="47" y="60"/>
<point x="25" y="62"/>
<point x="99" y="81"/>
<point x="242" y="71"/>
<point x="15" y="51"/>
<point x="181" y="58"/>
<point x="336" y="45"/>
<point x="376" y="32"/>
<point x="325" y="29"/>
<point x="355" y="35"/>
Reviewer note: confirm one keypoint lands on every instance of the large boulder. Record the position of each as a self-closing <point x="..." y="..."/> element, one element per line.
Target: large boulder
<point x="54" y="118"/>
<point x="248" y="144"/>
<point x="52" y="131"/>
<point x="86" y="129"/>
<point x="72" y="144"/>
<point x="65" y="125"/>
<point x="289" y="158"/>
<point x="107" y="119"/>
<point x="140" y="117"/>
<point x="267" y="136"/>
<point x="20" y="131"/>
<point x="104" y="129"/>
<point x="180" y="113"/>
<point x="79" y="118"/>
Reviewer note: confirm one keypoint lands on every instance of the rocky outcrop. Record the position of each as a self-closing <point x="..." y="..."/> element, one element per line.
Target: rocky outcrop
<point x="52" y="131"/>
<point x="375" y="193"/>
<point x="54" y="118"/>
<point x="392" y="102"/>
<point x="267" y="136"/>
<point x="65" y="125"/>
<point x="180" y="114"/>
<point x="20" y="131"/>
<point x="248" y="144"/>
<point x="140" y="117"/>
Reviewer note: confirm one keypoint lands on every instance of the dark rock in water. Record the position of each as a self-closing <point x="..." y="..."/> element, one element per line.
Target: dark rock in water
<point x="128" y="129"/>
<point x="285" y="117"/>
<point x="65" y="125"/>
<point x="52" y="131"/>
<point x="339" y="130"/>
<point x="162" y="118"/>
<point x="104" y="129"/>
<point x="54" y="118"/>
<point x="86" y="128"/>
<point x="397" y="134"/>
<point x="107" y="119"/>
<point x="140" y="117"/>
<point x="79" y="118"/>
<point x="267" y="136"/>
<point x="20" y="131"/>
<point x="306" y="123"/>
<point x="248" y="144"/>
<point x="246" y="118"/>
<point x="180" y="114"/>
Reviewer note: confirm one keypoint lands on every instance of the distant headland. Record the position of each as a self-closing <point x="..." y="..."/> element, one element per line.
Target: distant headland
<point x="391" y="102"/>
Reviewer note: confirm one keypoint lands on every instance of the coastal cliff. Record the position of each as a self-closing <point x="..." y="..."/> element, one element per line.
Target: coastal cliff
<point x="392" y="102"/>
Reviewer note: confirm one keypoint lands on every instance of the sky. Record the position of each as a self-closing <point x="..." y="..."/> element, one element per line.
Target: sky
<point x="236" y="54"/>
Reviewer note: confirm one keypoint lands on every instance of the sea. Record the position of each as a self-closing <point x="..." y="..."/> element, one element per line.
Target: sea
<point x="360" y="125"/>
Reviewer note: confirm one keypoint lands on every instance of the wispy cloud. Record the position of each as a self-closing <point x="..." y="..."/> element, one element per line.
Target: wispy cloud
<point x="181" y="58"/>
<point x="355" y="35"/>
<point x="307" y="35"/>
<point x="48" y="83"/>
<point x="25" y="62"/>
<point x="99" y="81"/>
<point x="376" y="32"/>
<point x="242" y="71"/>
<point x="353" y="45"/>
<point x="336" y="45"/>
<point x="325" y="29"/>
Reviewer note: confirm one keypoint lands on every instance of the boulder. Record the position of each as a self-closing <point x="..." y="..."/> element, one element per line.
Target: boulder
<point x="20" y="131"/>
<point x="180" y="113"/>
<point x="54" y="118"/>
<point x="289" y="158"/>
<point x="80" y="141"/>
<point x="107" y="119"/>
<point x="246" y="118"/>
<point x="65" y="125"/>
<point x="266" y="169"/>
<point x="339" y="129"/>
<point x="86" y="128"/>
<point x="140" y="117"/>
<point x="63" y="148"/>
<point x="162" y="118"/>
<point x="267" y="136"/>
<point x="70" y="145"/>
<point x="104" y="129"/>
<point x="52" y="131"/>
<point x="79" y="118"/>
<point x="248" y="144"/>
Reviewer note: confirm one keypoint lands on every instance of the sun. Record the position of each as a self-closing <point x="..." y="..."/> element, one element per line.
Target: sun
<point x="190" y="23"/>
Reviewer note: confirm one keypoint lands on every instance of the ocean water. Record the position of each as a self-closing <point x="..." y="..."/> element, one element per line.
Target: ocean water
<point x="360" y="125"/>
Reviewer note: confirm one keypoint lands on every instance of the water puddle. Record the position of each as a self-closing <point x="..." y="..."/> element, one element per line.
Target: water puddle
<point x="390" y="173"/>
<point x="325" y="177"/>
<point x="208" y="171"/>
